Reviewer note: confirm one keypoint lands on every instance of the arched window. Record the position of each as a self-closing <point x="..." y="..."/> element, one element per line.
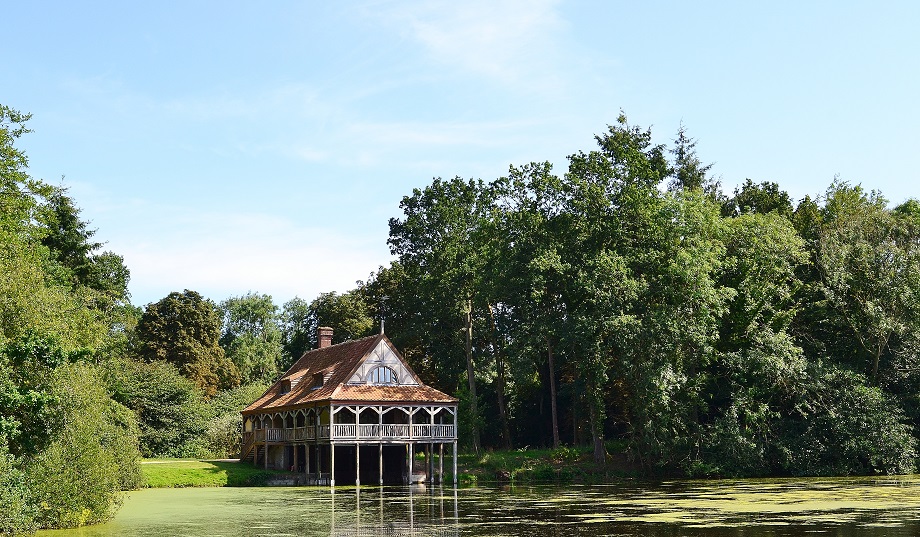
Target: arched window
<point x="383" y="375"/>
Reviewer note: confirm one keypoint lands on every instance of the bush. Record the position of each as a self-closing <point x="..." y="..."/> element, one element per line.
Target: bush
<point x="845" y="427"/>
<point x="78" y="479"/>
<point x="171" y="411"/>
<point x="17" y="515"/>
<point x="224" y="429"/>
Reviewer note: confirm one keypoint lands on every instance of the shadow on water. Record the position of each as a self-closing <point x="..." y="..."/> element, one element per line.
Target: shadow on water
<point x="841" y="507"/>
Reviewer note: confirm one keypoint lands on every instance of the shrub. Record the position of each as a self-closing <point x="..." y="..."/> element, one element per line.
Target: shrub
<point x="171" y="411"/>
<point x="16" y="515"/>
<point x="845" y="427"/>
<point x="78" y="479"/>
<point x="224" y="429"/>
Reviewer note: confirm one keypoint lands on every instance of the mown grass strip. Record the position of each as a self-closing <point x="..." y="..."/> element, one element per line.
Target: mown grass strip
<point x="176" y="473"/>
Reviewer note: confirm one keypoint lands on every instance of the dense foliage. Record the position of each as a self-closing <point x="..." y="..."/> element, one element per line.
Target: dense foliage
<point x="630" y="298"/>
<point x="67" y="449"/>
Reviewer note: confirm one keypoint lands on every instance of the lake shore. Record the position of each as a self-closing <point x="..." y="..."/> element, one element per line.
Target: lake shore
<point x="568" y="465"/>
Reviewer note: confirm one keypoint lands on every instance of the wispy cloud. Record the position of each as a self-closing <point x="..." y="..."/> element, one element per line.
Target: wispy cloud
<point x="513" y="41"/>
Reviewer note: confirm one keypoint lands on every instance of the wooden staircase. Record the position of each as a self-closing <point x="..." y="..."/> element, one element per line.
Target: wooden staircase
<point x="249" y="450"/>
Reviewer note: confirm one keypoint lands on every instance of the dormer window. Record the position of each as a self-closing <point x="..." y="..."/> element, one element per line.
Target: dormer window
<point x="317" y="381"/>
<point x="382" y="375"/>
<point x="286" y="386"/>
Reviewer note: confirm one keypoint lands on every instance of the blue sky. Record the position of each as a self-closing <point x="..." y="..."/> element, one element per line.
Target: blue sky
<point x="229" y="147"/>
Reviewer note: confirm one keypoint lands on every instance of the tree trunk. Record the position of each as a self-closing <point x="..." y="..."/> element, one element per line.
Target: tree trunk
<point x="879" y="349"/>
<point x="500" y="391"/>
<point x="470" y="374"/>
<point x="552" y="393"/>
<point x="597" y="433"/>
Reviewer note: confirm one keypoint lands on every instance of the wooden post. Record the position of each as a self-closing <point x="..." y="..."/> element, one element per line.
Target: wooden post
<point x="380" y="456"/>
<point x="331" y="464"/>
<point x="455" y="463"/>
<point x="306" y="455"/>
<point x="441" y="463"/>
<point x="296" y="449"/>
<point x="411" y="461"/>
<point x="266" y="449"/>
<point x="428" y="462"/>
<point x="357" y="464"/>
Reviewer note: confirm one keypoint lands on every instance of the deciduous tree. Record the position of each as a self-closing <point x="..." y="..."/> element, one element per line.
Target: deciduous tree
<point x="183" y="329"/>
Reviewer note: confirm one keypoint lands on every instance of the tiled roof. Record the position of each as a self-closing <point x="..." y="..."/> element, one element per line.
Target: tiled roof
<point x="403" y="394"/>
<point x="337" y="363"/>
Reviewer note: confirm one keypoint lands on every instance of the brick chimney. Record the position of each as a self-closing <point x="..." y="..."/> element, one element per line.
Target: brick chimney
<point x="324" y="336"/>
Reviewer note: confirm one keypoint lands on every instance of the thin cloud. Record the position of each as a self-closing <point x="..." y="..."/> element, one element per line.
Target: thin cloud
<point x="511" y="40"/>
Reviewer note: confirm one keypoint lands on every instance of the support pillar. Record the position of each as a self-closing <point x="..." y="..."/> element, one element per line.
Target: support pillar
<point x="409" y="463"/>
<point x="296" y="466"/>
<point x="441" y="463"/>
<point x="428" y="464"/>
<point x="331" y="464"/>
<point x="266" y="449"/>
<point x="357" y="464"/>
<point x="455" y="463"/>
<point x="380" y="457"/>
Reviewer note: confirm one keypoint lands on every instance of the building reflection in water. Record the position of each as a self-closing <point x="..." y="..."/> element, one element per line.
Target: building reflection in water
<point x="394" y="511"/>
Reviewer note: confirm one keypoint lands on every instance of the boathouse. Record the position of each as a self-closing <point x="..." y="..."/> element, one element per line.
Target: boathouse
<point x="353" y="412"/>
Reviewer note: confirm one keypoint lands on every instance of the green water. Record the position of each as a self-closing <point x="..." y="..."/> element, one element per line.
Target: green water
<point x="841" y="507"/>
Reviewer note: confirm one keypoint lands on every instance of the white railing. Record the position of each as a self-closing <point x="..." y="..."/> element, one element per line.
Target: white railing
<point x="353" y="431"/>
<point x="392" y="431"/>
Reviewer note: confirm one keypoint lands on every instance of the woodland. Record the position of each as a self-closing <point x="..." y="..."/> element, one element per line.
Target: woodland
<point x="627" y="303"/>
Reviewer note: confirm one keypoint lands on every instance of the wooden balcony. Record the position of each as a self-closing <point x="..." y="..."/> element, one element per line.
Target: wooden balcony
<point x="354" y="432"/>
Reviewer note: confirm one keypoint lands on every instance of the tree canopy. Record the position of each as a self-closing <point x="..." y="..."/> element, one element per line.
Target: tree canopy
<point x="184" y="329"/>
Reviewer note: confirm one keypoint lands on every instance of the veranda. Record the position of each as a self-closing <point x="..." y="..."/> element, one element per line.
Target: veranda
<point x="355" y="442"/>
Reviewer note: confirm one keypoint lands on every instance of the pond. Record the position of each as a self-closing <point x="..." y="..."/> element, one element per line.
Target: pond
<point x="775" y="507"/>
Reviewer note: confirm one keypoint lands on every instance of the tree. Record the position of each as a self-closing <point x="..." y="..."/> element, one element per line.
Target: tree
<point x="78" y="478"/>
<point x="527" y="274"/>
<point x="688" y="173"/>
<point x="869" y="267"/>
<point x="68" y="237"/>
<point x="69" y="241"/>
<point x="66" y="447"/>
<point x="296" y="335"/>
<point x="170" y="409"/>
<point x="17" y="189"/>
<point x="347" y="314"/>
<point x="251" y="336"/>
<point x="437" y="244"/>
<point x="184" y="329"/>
<point x="760" y="198"/>
<point x="28" y="420"/>
<point x="607" y="213"/>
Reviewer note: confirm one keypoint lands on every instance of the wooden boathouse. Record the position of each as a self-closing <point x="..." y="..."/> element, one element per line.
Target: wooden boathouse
<point x="355" y="412"/>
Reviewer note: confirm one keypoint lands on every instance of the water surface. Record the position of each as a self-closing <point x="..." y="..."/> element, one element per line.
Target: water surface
<point x="844" y="507"/>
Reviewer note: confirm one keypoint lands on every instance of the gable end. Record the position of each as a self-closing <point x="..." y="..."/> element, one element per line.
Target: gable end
<point x="394" y="372"/>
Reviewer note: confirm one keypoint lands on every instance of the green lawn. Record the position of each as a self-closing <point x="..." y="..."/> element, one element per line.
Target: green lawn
<point x="171" y="473"/>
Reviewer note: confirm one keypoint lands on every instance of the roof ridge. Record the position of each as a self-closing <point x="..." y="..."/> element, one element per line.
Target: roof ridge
<point x="342" y="343"/>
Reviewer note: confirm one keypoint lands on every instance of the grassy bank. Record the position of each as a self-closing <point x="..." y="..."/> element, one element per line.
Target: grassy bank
<point x="568" y="464"/>
<point x="172" y="473"/>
